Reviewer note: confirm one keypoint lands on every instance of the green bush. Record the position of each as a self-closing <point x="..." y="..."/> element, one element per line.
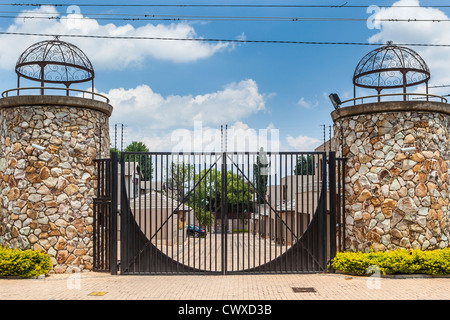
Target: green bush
<point x="401" y="261"/>
<point x="24" y="264"/>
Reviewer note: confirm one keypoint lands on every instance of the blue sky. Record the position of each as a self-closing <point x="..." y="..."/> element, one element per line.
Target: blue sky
<point x="163" y="90"/>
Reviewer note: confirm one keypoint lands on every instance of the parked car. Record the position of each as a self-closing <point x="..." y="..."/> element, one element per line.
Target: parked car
<point x="195" y="231"/>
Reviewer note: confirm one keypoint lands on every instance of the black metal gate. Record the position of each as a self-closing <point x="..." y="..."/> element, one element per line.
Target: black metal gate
<point x="105" y="216"/>
<point x="225" y="213"/>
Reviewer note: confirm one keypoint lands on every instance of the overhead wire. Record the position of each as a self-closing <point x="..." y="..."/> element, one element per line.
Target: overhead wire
<point x="145" y="17"/>
<point x="343" y="5"/>
<point x="217" y="40"/>
<point x="156" y="17"/>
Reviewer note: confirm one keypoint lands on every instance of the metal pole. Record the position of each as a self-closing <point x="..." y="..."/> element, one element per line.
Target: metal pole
<point x="223" y="200"/>
<point x="42" y="79"/>
<point x="115" y="137"/>
<point x="99" y="153"/>
<point x="121" y="142"/>
<point x="114" y="212"/>
<point x="332" y="190"/>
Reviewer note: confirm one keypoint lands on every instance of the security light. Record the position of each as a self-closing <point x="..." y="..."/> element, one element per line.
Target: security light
<point x="335" y="100"/>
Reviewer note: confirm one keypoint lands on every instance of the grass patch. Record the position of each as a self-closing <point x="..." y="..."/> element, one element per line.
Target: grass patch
<point x="239" y="230"/>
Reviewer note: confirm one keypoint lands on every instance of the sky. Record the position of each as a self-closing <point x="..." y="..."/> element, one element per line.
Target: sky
<point x="176" y="95"/>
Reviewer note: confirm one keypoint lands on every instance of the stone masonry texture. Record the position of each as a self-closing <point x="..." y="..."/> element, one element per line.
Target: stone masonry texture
<point x="46" y="200"/>
<point x="395" y="197"/>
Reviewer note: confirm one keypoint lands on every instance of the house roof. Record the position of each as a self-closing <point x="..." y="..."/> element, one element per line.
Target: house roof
<point x="156" y="200"/>
<point x="152" y="185"/>
<point x="326" y="146"/>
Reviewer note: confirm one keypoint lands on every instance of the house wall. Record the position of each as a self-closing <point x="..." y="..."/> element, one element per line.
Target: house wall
<point x="47" y="196"/>
<point x="160" y="225"/>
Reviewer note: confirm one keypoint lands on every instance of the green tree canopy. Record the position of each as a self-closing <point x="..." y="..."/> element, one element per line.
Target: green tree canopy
<point x="181" y="175"/>
<point x="305" y="165"/>
<point x="144" y="160"/>
<point x="208" y="192"/>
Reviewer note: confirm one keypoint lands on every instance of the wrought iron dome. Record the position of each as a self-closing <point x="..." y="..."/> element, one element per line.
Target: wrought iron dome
<point x="54" y="61"/>
<point x="389" y="67"/>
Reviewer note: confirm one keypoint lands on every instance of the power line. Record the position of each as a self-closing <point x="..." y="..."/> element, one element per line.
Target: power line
<point x="340" y="6"/>
<point x="217" y="40"/>
<point x="135" y="16"/>
<point x="155" y="17"/>
<point x="439" y="86"/>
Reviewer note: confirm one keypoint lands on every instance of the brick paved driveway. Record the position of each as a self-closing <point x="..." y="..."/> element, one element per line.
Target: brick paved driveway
<point x="230" y="287"/>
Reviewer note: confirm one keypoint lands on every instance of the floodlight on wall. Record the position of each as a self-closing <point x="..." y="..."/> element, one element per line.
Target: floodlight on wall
<point x="334" y="98"/>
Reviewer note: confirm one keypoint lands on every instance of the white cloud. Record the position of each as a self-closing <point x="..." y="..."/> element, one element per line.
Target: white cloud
<point x="418" y="32"/>
<point x="141" y="107"/>
<point x="107" y="53"/>
<point x="307" y="104"/>
<point x="303" y="143"/>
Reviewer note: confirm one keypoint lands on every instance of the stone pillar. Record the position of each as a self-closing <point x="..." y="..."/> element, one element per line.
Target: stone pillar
<point x="46" y="199"/>
<point x="397" y="183"/>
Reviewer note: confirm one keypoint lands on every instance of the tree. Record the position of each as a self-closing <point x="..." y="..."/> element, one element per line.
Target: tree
<point x="181" y="175"/>
<point x="136" y="146"/>
<point x="208" y="192"/>
<point x="239" y="193"/>
<point x="144" y="160"/>
<point x="205" y="217"/>
<point x="261" y="175"/>
<point x="111" y="150"/>
<point x="304" y="166"/>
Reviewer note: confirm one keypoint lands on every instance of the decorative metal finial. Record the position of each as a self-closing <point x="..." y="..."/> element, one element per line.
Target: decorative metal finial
<point x="55" y="61"/>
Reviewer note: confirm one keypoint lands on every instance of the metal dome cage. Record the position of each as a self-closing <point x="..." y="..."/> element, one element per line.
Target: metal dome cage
<point x="390" y="67"/>
<point x="54" y="61"/>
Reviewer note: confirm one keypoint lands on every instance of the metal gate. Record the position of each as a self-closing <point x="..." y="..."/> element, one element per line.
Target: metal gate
<point x="105" y="216"/>
<point x="226" y="213"/>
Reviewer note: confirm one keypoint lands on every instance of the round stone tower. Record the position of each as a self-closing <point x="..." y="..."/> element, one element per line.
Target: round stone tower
<point x="48" y="142"/>
<point x="397" y="150"/>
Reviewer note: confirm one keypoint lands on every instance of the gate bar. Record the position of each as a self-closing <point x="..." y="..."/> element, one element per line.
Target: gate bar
<point x="332" y="186"/>
<point x="113" y="232"/>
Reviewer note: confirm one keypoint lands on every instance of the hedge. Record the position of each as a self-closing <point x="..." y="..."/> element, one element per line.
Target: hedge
<point x="400" y="261"/>
<point x="24" y="264"/>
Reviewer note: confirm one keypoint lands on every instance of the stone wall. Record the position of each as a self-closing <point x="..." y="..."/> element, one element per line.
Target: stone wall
<point x="395" y="198"/>
<point x="46" y="197"/>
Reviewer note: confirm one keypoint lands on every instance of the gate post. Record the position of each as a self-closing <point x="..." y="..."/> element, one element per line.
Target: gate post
<point x="223" y="204"/>
<point x="113" y="214"/>
<point x="332" y="190"/>
<point x="322" y="227"/>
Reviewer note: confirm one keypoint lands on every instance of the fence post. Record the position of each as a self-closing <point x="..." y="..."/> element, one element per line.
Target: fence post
<point x="114" y="211"/>
<point x="332" y="190"/>
<point x="223" y="213"/>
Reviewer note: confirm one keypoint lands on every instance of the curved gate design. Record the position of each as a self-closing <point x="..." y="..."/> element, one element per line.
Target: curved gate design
<point x="226" y="213"/>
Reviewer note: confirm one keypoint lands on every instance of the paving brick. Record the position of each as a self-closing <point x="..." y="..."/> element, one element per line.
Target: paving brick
<point x="230" y="287"/>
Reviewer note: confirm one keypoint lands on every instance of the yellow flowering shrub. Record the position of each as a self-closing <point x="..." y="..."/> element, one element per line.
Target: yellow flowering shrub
<point x="25" y="264"/>
<point x="400" y="261"/>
